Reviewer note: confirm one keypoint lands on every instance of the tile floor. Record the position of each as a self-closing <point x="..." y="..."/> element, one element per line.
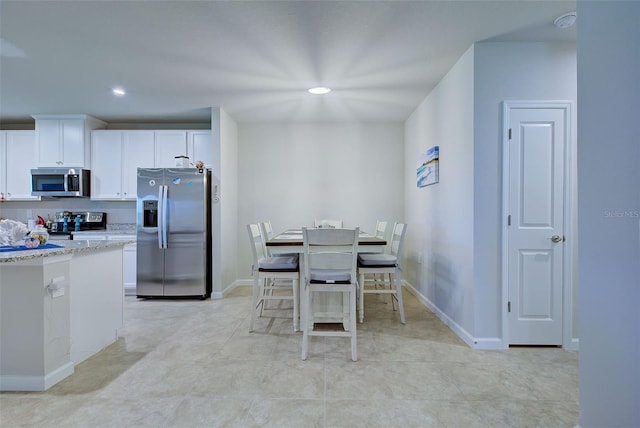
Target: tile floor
<point x="193" y="364"/>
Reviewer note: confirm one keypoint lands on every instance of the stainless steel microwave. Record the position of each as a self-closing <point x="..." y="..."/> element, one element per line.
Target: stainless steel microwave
<point x="61" y="182"/>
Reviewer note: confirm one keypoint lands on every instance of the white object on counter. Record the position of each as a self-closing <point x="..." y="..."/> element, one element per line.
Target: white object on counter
<point x="182" y="161"/>
<point x="12" y="232"/>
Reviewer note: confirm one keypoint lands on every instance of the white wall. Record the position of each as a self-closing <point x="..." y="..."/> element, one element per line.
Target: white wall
<point x="458" y="220"/>
<point x="609" y="211"/>
<point x="224" y="172"/>
<point x="441" y="215"/>
<point x="292" y="174"/>
<point x="506" y="71"/>
<point x="228" y="198"/>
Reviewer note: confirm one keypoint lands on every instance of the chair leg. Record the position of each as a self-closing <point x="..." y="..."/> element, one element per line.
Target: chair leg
<point x="391" y="287"/>
<point x="296" y="308"/>
<point x="254" y="304"/>
<point x="305" y="322"/>
<point x="352" y="322"/>
<point x="361" y="298"/>
<point x="398" y="279"/>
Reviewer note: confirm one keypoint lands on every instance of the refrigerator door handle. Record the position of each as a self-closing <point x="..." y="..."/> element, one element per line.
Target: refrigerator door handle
<point x="165" y="200"/>
<point x="160" y="216"/>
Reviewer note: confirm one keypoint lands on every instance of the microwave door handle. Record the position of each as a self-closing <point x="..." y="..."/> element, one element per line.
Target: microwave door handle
<point x="66" y="182"/>
<point x="165" y="215"/>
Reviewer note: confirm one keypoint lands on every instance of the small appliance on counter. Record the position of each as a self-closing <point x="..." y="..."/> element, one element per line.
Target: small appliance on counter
<point x="66" y="222"/>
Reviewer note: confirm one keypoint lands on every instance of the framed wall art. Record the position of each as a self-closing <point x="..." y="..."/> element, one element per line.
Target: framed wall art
<point x="428" y="171"/>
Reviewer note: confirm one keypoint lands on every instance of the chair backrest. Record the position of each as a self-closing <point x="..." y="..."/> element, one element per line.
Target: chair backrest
<point x="267" y="230"/>
<point x="330" y="250"/>
<point x="257" y="244"/>
<point x="381" y="229"/>
<point x="327" y="223"/>
<point x="397" y="240"/>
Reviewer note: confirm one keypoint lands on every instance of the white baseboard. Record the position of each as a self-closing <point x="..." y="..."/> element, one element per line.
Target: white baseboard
<point x="574" y="345"/>
<point x="36" y="383"/>
<point x="231" y="287"/>
<point x="472" y="342"/>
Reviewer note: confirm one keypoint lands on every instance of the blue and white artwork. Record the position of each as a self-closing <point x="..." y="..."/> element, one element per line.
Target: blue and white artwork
<point x="428" y="167"/>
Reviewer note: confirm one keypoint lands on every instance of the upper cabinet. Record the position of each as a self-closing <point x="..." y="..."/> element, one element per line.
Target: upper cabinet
<point x="116" y="157"/>
<point x="169" y="144"/>
<point x="16" y="160"/>
<point x="200" y="148"/>
<point x="64" y="140"/>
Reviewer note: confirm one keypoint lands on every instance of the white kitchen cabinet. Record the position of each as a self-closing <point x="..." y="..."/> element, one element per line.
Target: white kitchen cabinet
<point x="200" y="147"/>
<point x="106" y="162"/>
<point x="115" y="158"/>
<point x="129" y="255"/>
<point x="16" y="161"/>
<point x="64" y="140"/>
<point x="169" y="144"/>
<point x="138" y="152"/>
<point x="129" y="263"/>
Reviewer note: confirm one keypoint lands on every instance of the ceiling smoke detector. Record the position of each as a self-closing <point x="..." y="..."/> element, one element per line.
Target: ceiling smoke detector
<point x="566" y="20"/>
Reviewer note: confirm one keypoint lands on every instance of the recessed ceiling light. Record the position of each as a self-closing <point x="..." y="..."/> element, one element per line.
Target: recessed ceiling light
<point x="320" y="90"/>
<point x="119" y="91"/>
<point x="566" y="20"/>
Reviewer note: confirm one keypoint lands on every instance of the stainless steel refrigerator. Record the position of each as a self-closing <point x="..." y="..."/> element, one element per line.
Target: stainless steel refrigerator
<point x="174" y="232"/>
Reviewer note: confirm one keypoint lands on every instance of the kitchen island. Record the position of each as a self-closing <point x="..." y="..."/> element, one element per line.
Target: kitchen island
<point x="58" y="307"/>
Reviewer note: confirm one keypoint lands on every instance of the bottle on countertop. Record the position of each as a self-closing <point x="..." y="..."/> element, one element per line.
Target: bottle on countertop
<point x="77" y="227"/>
<point x="65" y="224"/>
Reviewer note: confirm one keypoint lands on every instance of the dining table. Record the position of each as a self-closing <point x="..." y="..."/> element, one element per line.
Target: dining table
<point x="290" y="241"/>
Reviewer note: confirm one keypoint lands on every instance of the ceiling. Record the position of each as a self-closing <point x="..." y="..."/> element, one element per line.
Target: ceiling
<point x="255" y="59"/>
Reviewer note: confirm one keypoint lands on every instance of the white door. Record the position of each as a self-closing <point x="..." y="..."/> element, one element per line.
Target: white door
<point x="535" y="148"/>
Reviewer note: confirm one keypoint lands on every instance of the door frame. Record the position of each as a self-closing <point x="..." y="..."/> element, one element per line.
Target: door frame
<point x="569" y="220"/>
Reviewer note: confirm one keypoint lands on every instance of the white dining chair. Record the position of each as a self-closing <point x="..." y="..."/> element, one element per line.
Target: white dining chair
<point x="271" y="277"/>
<point x="330" y="266"/>
<point x="381" y="229"/>
<point x="389" y="267"/>
<point x="327" y="223"/>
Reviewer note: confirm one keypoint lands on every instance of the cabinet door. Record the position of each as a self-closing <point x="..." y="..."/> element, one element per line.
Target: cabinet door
<point x="138" y="152"/>
<point x="20" y="149"/>
<point x="60" y="142"/>
<point x="169" y="144"/>
<point x="200" y="148"/>
<point x="129" y="262"/>
<point x="106" y="165"/>
<point x="72" y="142"/>
<point x="48" y="142"/>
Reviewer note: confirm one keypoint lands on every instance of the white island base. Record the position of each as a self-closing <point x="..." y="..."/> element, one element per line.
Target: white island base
<point x="56" y="310"/>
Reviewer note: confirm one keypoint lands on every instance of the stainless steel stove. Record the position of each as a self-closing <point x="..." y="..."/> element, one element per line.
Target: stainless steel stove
<point x="88" y="220"/>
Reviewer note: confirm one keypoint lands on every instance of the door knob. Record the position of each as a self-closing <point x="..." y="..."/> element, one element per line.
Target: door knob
<point x="557" y="238"/>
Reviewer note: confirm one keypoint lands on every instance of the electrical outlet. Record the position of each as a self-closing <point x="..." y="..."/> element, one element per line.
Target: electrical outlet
<point x="419" y="256"/>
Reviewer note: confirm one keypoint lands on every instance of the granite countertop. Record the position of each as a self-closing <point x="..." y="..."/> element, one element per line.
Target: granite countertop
<point x="68" y="247"/>
<point x="103" y="232"/>
<point x="113" y="229"/>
